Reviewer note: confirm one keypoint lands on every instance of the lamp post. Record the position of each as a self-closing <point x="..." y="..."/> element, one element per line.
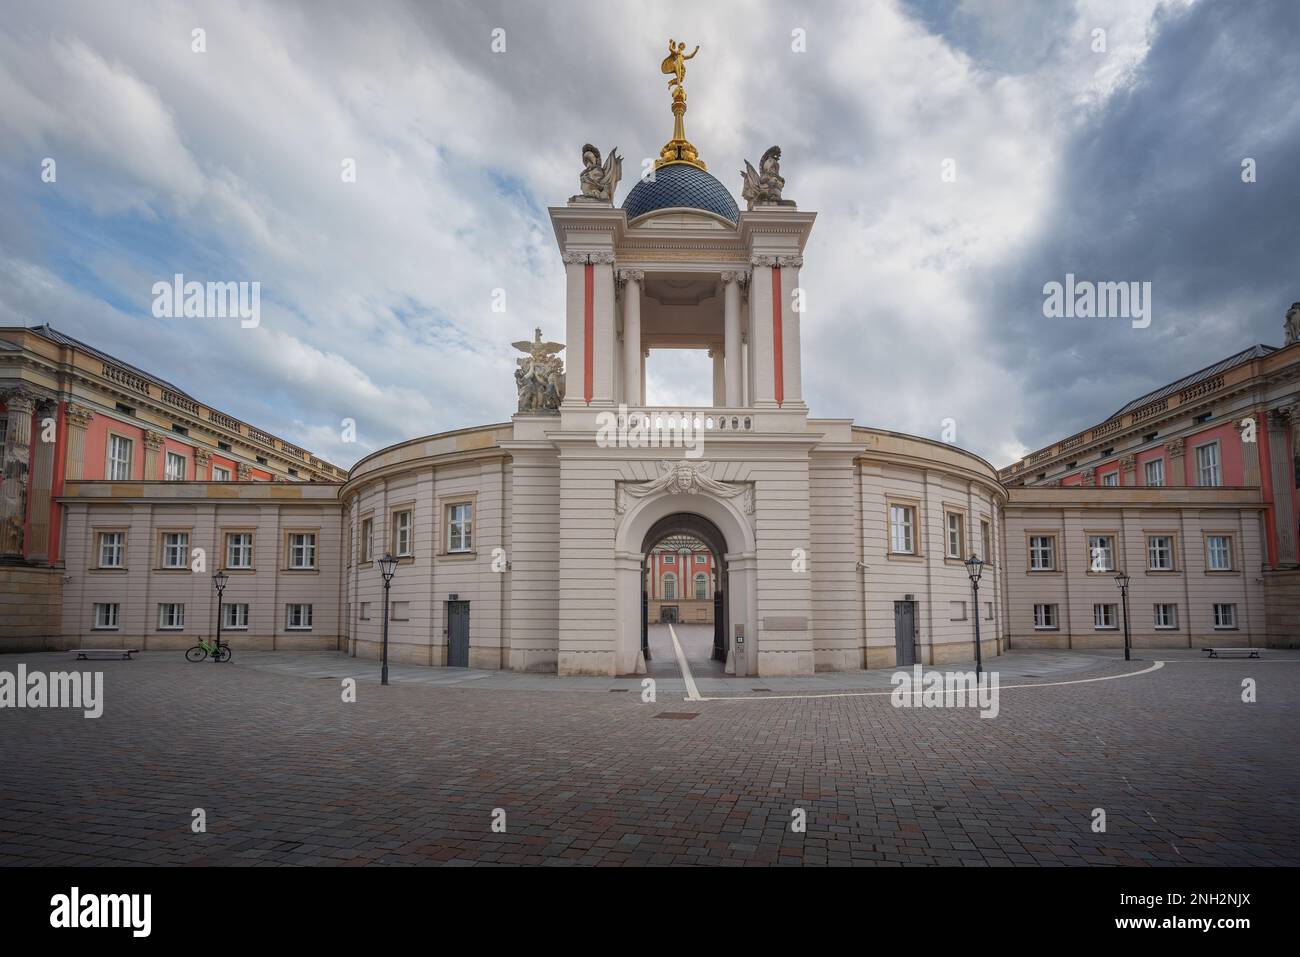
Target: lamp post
<point x="219" y="580"/>
<point x="974" y="566"/>
<point x="387" y="566"/>
<point x="1122" y="581"/>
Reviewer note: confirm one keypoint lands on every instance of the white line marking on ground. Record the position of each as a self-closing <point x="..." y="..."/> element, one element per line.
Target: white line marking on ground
<point x="872" y="694"/>
<point x="692" y="692"/>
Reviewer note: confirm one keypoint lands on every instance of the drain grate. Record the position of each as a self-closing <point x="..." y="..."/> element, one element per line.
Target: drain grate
<point x="678" y="715"/>
<point x="616" y="690"/>
<point x="760" y="689"/>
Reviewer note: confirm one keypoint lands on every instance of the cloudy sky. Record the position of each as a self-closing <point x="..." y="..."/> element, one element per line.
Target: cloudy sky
<point x="924" y="292"/>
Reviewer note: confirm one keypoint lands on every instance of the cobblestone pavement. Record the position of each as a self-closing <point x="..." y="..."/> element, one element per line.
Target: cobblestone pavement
<point x="288" y="773"/>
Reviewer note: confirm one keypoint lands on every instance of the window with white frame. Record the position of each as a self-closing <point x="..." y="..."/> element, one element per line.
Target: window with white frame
<point x="955" y="544"/>
<point x="1042" y="553"/>
<point x="902" y="529"/>
<point x="175" y="549"/>
<point x="1103" y="616"/>
<point x="106" y="614"/>
<point x="670" y="559"/>
<point x="1207" y="465"/>
<point x="175" y="468"/>
<point x="1218" y="553"/>
<point x="1166" y="616"/>
<point x="1110" y="479"/>
<point x="220" y="473"/>
<point x="460" y="527"/>
<point x="302" y="550"/>
<point x="234" y="615"/>
<point x="1160" y="553"/>
<point x="297" y="617"/>
<point x="1225" y="615"/>
<point x="171" y="616"/>
<point x="112" y="549"/>
<point x="119" y="458"/>
<point x="239" y="549"/>
<point x="1045" y="616"/>
<point x="670" y="585"/>
<point x="1101" y="553"/>
<point x="701" y="559"/>
<point x="701" y="586"/>
<point x="367" y="539"/>
<point x="1155" y="472"/>
<point x="402" y="524"/>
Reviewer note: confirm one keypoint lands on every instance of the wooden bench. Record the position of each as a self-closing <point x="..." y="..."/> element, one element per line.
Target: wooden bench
<point x="1232" y="652"/>
<point x="110" y="654"/>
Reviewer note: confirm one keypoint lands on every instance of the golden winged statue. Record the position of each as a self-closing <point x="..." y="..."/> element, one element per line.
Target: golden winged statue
<point x="675" y="63"/>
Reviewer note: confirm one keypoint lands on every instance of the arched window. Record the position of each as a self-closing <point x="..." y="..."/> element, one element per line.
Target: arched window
<point x="701" y="586"/>
<point x="670" y="585"/>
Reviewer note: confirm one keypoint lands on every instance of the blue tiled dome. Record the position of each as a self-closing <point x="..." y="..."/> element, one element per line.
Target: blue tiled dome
<point x="681" y="185"/>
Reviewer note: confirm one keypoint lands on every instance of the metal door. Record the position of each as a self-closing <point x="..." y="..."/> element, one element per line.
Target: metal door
<point x="905" y="633"/>
<point x="458" y="634"/>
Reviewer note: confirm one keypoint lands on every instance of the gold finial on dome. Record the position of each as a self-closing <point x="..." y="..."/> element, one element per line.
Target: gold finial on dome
<point x="678" y="149"/>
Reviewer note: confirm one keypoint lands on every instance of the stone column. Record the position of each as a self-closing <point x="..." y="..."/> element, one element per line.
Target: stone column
<point x="603" y="332"/>
<point x="1128" y="470"/>
<point x="1250" y="473"/>
<point x="645" y="354"/>
<point x="20" y="405"/>
<point x="153" y="443"/>
<point x="719" y="378"/>
<point x="731" y="283"/>
<point x="575" y="270"/>
<point x="202" y="459"/>
<point x="74" y="463"/>
<point x="1176" y="474"/>
<point x="1282" y="467"/>
<point x="632" y="358"/>
<point x="42" y="481"/>
<point x="791" y="314"/>
<point x="761" y="350"/>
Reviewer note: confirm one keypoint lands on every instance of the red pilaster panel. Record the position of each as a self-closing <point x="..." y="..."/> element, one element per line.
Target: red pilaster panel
<point x="588" y="330"/>
<point x="777" y="361"/>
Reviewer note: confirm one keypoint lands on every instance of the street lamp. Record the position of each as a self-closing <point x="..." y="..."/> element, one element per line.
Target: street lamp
<point x="974" y="566"/>
<point x="1122" y="581"/>
<point x="219" y="580"/>
<point x="387" y="565"/>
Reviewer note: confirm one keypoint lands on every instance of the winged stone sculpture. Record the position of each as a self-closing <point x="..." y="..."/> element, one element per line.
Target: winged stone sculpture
<point x="762" y="186"/>
<point x="599" y="180"/>
<point x="539" y="375"/>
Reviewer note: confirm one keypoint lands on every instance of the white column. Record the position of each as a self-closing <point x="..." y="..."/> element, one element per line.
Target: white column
<point x="790" y="361"/>
<point x="645" y="354"/>
<point x="632" y="358"/>
<point x="603" y="334"/>
<point x="575" y="264"/>
<point x="731" y="331"/>
<point x="719" y="377"/>
<point x="762" y="355"/>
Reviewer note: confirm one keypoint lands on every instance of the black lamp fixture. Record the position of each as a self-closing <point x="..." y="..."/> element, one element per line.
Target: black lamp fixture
<point x="974" y="568"/>
<point x="387" y="566"/>
<point x="1122" y="581"/>
<point x="219" y="581"/>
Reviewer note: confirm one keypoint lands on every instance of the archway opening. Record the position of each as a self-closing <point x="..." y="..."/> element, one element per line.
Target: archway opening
<point x="683" y="594"/>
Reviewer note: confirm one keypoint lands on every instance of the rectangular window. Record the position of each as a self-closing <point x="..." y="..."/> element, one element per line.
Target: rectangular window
<point x="302" y="550"/>
<point x="670" y="559"/>
<point x="1218" y="553"/>
<point x="1101" y="553"/>
<point x="1045" y="617"/>
<point x="112" y="549"/>
<point x="106" y="615"/>
<point x="1207" y="465"/>
<point x="239" y="550"/>
<point x="175" y="549"/>
<point x="1166" y="616"/>
<point x="701" y="587"/>
<point x="1110" y="479"/>
<point x="1042" y="553"/>
<point x="986" y="542"/>
<point x="367" y="539"/>
<point x="175" y="469"/>
<point x="119" y="458"/>
<point x="402" y="534"/>
<point x="171" y="617"/>
<point x="365" y="611"/>
<point x="1155" y="472"/>
<point x="460" y="523"/>
<point x="1103" y="616"/>
<point x="955" y="545"/>
<point x="902" y="529"/>
<point x="234" y="616"/>
<point x="220" y="474"/>
<point x="1225" y="616"/>
<point x="298" y="617"/>
<point x="1160" y="553"/>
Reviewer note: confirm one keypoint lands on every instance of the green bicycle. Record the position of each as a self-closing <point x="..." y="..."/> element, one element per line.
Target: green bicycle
<point x="203" y="651"/>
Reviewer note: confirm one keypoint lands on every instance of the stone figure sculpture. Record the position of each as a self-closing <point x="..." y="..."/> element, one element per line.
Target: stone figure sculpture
<point x="762" y="186"/>
<point x="598" y="181"/>
<point x="1293" y="324"/>
<point x="539" y="375"/>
